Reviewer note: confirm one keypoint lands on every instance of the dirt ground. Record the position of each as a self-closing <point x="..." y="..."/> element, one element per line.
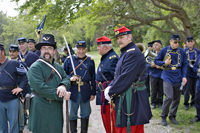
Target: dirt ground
<point x="96" y="125"/>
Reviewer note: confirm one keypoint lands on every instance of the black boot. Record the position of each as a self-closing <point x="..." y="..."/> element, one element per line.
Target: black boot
<point x="73" y="125"/>
<point x="84" y="125"/>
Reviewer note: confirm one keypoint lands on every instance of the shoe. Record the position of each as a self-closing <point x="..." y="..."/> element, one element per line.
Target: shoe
<point x="186" y="107"/>
<point x="153" y="106"/>
<point x="160" y="106"/>
<point x="195" y="120"/>
<point x="173" y="120"/>
<point x="192" y="105"/>
<point x="20" y="131"/>
<point x="164" y="122"/>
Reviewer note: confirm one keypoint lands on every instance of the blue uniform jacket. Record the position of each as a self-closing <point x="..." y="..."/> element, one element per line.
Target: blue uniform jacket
<point x="130" y="66"/>
<point x="191" y="55"/>
<point x="17" y="72"/>
<point x="153" y="71"/>
<point x="29" y="58"/>
<point x="88" y="89"/>
<point x="173" y="76"/>
<point x="107" y="65"/>
<point x="195" y="69"/>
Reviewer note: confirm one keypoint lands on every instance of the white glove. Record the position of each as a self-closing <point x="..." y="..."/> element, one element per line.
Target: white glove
<point x="106" y="93"/>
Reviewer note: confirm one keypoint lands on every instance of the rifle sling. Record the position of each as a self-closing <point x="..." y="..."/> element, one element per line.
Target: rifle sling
<point x="79" y="65"/>
<point x="102" y="74"/>
<point x="48" y="80"/>
<point x="7" y="60"/>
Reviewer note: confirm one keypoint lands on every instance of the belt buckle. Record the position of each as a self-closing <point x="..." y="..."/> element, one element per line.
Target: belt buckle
<point x="173" y="68"/>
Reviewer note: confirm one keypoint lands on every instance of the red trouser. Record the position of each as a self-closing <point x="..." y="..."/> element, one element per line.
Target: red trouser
<point x="106" y="119"/>
<point x="134" y="129"/>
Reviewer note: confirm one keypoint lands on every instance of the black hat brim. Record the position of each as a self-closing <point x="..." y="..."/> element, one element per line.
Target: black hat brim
<point x="39" y="45"/>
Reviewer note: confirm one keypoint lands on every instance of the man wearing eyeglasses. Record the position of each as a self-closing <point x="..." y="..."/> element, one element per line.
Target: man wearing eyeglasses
<point x="173" y="59"/>
<point x="49" y="84"/>
<point x="192" y="54"/>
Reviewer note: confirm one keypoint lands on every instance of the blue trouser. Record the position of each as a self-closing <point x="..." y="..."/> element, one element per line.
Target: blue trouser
<point x="197" y="102"/>
<point x="85" y="109"/>
<point x="9" y="111"/>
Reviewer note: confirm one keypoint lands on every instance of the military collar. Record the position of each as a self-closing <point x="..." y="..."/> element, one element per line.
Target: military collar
<point x="25" y="53"/>
<point x="4" y="61"/>
<point x="103" y="56"/>
<point x="34" y="50"/>
<point x="77" y="58"/>
<point x="48" y="61"/>
<point x="129" y="46"/>
<point x="174" y="50"/>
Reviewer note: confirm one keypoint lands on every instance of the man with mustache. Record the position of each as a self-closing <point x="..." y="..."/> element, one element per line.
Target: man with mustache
<point x="105" y="74"/>
<point x="127" y="89"/>
<point x="83" y="86"/>
<point x="10" y="87"/>
<point x="49" y="84"/>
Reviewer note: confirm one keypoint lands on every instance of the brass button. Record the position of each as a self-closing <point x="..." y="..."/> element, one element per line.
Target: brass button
<point x="80" y="68"/>
<point x="0" y="88"/>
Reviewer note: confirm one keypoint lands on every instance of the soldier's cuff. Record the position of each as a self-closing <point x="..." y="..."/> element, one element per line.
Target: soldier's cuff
<point x="64" y="85"/>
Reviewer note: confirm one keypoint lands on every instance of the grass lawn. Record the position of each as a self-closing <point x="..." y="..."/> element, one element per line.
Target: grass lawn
<point x="183" y="116"/>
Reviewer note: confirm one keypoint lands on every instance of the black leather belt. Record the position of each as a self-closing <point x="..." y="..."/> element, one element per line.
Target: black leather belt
<point x="140" y="85"/>
<point x="36" y="94"/>
<point x="7" y="87"/>
<point x="171" y="68"/>
<point x="81" y="83"/>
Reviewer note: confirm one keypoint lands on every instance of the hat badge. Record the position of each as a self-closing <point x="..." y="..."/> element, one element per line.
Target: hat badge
<point x="46" y="38"/>
<point x="80" y="43"/>
<point x="117" y="32"/>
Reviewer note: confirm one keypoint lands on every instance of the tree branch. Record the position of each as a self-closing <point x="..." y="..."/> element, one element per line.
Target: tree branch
<point x="162" y="30"/>
<point x="157" y="4"/>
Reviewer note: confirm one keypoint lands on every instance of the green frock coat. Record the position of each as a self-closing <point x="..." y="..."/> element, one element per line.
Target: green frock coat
<point x="46" y="116"/>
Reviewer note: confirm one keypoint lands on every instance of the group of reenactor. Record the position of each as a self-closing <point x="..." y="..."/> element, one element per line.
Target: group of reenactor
<point x="120" y="84"/>
<point x="173" y="71"/>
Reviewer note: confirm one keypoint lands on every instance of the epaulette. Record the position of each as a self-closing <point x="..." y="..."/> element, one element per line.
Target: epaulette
<point x="68" y="56"/>
<point x="91" y="58"/>
<point x="132" y="49"/>
<point x="113" y="56"/>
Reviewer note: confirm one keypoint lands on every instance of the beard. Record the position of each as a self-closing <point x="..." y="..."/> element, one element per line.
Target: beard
<point x="47" y="56"/>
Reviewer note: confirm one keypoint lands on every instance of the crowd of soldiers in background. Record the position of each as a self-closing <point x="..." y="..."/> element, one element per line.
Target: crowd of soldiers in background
<point x="157" y="84"/>
<point x="154" y="82"/>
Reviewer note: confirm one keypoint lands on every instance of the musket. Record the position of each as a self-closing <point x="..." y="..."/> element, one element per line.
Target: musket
<point x="67" y="110"/>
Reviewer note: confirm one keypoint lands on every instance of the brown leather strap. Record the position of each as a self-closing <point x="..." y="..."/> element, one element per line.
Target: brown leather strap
<point x="78" y="65"/>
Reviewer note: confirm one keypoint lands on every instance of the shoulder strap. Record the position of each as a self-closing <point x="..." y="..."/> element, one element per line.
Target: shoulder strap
<point x="51" y="67"/>
<point x="102" y="74"/>
<point x="79" y="65"/>
<point x="4" y="64"/>
<point x="2" y="67"/>
<point x="48" y="80"/>
<point x="87" y="69"/>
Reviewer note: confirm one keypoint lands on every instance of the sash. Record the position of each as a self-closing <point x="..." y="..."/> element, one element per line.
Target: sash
<point x="48" y="64"/>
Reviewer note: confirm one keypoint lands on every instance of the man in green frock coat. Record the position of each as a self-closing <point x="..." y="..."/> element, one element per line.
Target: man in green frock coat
<point x="49" y="84"/>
